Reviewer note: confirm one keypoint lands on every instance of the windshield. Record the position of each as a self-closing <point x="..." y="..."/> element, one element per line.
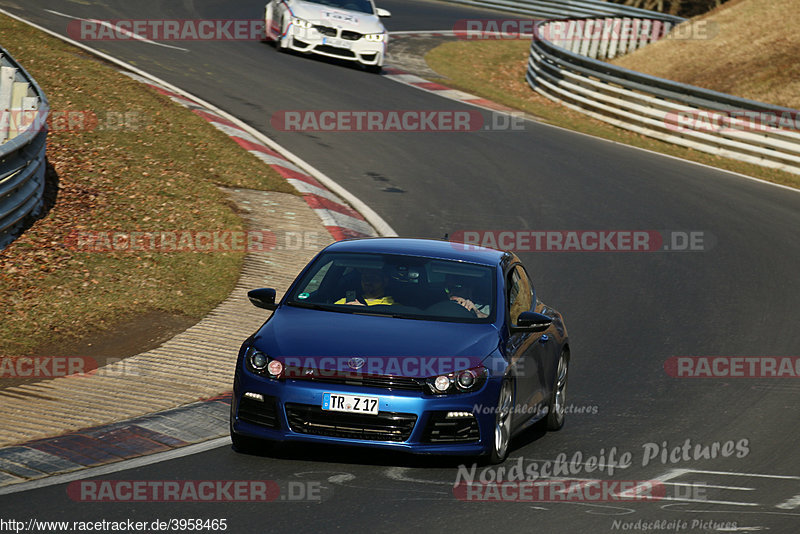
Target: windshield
<point x="400" y="286"/>
<point x="362" y="6"/>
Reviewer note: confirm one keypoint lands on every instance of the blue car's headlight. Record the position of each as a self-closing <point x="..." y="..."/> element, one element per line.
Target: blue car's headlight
<point x="458" y="382"/>
<point x="261" y="364"/>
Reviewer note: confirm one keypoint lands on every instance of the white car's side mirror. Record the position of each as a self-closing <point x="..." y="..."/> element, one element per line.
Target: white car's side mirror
<point x="383" y="13"/>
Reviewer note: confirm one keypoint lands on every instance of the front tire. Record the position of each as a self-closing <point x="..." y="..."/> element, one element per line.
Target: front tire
<point x="281" y="39"/>
<point x="557" y="408"/>
<point x="243" y="444"/>
<point x="502" y="426"/>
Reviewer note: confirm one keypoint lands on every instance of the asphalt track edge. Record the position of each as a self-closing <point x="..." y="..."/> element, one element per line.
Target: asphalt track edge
<point x="406" y="78"/>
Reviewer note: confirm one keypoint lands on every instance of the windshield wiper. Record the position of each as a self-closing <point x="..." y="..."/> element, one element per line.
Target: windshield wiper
<point x="309" y="305"/>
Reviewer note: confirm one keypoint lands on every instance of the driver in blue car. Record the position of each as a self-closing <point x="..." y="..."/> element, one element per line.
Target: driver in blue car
<point x="373" y="290"/>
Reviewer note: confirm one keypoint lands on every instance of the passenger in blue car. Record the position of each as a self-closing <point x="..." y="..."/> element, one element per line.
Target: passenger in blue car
<point x="373" y="290"/>
<point x="462" y="291"/>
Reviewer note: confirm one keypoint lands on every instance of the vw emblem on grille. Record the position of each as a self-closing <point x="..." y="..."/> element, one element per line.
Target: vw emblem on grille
<point x="356" y="363"/>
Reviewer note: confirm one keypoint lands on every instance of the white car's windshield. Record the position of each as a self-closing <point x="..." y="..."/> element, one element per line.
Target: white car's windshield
<point x="362" y="6"/>
<point x="401" y="286"/>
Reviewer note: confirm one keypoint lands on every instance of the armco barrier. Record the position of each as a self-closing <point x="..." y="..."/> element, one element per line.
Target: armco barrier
<point x="565" y="65"/>
<point x="564" y="70"/>
<point x="557" y="9"/>
<point x="23" y="139"/>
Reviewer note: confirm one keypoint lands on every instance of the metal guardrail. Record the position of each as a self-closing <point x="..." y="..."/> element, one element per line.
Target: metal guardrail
<point x="559" y="9"/>
<point x="566" y="66"/>
<point x="565" y="70"/>
<point x="23" y="139"/>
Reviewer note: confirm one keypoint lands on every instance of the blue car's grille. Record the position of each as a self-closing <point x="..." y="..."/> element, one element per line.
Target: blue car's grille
<point x="357" y="379"/>
<point x="259" y="413"/>
<point x="442" y="429"/>
<point x="386" y="426"/>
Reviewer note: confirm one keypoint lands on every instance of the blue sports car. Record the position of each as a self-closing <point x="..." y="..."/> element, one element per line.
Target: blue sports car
<point x="416" y="345"/>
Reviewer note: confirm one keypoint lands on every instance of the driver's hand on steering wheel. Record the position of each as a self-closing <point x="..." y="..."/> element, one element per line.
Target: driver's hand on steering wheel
<point x="468" y="304"/>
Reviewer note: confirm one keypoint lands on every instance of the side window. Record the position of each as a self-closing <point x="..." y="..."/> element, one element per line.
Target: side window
<point x="520" y="296"/>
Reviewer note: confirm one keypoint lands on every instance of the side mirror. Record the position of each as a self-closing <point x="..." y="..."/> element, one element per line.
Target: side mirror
<point x="532" y="322"/>
<point x="262" y="298"/>
<point x="382" y="13"/>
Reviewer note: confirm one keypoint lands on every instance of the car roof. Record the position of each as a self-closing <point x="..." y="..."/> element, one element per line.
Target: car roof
<point x="431" y="248"/>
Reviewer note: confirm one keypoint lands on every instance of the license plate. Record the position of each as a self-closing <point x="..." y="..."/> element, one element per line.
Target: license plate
<point x="338" y="43"/>
<point x="338" y="402"/>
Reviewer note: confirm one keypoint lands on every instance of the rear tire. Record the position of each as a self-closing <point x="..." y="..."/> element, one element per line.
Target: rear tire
<point x="556" y="412"/>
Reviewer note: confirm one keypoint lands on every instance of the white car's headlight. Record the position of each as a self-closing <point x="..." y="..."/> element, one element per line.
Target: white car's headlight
<point x="300" y="23"/>
<point x="375" y="37"/>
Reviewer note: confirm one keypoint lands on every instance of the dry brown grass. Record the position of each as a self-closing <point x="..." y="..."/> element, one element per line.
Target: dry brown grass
<point x="159" y="173"/>
<point x="755" y="53"/>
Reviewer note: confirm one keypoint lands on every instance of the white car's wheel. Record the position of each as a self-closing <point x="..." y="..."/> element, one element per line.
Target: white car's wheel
<point x="281" y="44"/>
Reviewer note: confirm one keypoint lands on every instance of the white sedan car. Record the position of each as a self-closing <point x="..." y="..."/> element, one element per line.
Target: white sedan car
<point x="345" y="29"/>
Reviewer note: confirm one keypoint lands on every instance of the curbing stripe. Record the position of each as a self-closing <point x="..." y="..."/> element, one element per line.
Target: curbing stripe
<point x="354" y="225"/>
<point x="108" y="444"/>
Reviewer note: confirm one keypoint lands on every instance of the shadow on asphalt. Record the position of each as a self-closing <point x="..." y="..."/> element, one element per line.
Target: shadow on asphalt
<point x="339" y="454"/>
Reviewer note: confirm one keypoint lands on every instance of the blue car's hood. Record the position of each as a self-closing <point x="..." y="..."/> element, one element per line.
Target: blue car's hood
<point x="328" y="340"/>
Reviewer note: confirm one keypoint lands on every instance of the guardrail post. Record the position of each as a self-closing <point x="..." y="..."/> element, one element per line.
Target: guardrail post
<point x="7" y="75"/>
<point x="613" y="42"/>
<point x="586" y="38"/>
<point x="644" y="34"/>
<point x="572" y="27"/>
<point x="624" y="36"/>
<point x="605" y="39"/>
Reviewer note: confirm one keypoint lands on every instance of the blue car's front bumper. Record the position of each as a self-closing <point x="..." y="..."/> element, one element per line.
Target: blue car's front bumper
<point x="289" y="401"/>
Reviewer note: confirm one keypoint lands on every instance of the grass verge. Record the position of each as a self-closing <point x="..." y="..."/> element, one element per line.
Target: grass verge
<point x="125" y="159"/>
<point x="496" y="70"/>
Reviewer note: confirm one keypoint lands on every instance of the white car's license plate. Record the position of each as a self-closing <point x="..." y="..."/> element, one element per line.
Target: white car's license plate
<point x="338" y="402"/>
<point x="338" y="43"/>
